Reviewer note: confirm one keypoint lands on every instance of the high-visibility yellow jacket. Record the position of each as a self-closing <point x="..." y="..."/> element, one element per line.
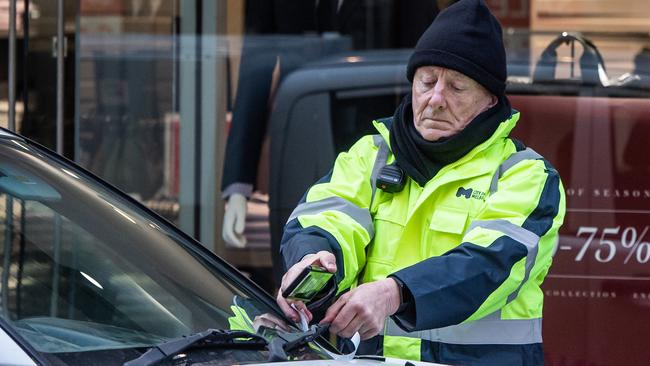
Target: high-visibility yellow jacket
<point x="472" y="246"/>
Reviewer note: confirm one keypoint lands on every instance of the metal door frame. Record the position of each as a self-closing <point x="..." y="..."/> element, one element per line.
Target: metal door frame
<point x="60" y="87"/>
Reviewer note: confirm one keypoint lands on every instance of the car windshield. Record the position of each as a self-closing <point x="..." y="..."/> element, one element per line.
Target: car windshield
<point x="85" y="269"/>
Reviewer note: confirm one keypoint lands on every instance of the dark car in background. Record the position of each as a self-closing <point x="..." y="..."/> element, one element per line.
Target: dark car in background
<point x="589" y="119"/>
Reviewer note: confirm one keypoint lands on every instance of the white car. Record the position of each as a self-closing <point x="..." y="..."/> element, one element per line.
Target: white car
<point x="92" y="277"/>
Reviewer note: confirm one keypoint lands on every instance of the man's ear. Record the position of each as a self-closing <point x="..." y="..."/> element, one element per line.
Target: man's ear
<point x="493" y="101"/>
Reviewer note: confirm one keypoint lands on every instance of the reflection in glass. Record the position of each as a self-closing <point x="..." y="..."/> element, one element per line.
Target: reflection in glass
<point x="128" y="116"/>
<point x="85" y="269"/>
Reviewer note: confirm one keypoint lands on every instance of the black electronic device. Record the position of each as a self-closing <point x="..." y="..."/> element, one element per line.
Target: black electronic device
<point x="308" y="284"/>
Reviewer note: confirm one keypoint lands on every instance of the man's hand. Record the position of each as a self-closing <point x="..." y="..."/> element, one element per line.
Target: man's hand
<point x="364" y="309"/>
<point x="324" y="259"/>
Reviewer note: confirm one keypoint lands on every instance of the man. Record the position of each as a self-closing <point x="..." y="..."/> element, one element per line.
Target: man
<point x="448" y="269"/>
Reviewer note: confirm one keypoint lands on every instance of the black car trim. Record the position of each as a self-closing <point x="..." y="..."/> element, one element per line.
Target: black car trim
<point x="7" y="134"/>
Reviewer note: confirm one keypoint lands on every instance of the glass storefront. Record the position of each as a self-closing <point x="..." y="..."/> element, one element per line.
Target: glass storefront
<point x="133" y="71"/>
<point x="127" y="83"/>
<point x="149" y="89"/>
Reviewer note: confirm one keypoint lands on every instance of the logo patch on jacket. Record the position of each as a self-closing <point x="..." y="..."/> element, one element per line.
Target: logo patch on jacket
<point x="470" y="193"/>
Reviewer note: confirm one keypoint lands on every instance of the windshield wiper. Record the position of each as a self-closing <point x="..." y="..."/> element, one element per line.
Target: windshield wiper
<point x="281" y="344"/>
<point x="208" y="338"/>
<point x="302" y="339"/>
<point x="286" y="342"/>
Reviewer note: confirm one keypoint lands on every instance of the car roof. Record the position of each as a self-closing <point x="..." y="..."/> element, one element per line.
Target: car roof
<point x="363" y="58"/>
<point x="4" y="133"/>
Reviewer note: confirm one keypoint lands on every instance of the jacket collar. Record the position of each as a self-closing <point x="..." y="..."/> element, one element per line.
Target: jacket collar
<point x="475" y="167"/>
<point x="383" y="127"/>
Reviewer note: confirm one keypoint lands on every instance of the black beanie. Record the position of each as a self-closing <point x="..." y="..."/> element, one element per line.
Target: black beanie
<point x="465" y="37"/>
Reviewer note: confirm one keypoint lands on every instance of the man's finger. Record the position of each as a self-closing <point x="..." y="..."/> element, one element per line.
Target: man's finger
<point x="333" y="310"/>
<point x="300" y="306"/>
<point x="305" y="310"/>
<point x="327" y="260"/>
<point x="343" y="318"/>
<point x="288" y="311"/>
<point x="291" y="275"/>
<point x="286" y="308"/>
<point x="323" y="258"/>
<point x="366" y="334"/>
<point x="370" y="329"/>
<point x="353" y="327"/>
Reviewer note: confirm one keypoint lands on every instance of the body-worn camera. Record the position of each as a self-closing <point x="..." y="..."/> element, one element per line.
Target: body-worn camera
<point x="391" y="178"/>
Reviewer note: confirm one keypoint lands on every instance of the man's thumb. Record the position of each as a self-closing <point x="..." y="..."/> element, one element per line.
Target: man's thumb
<point x="330" y="264"/>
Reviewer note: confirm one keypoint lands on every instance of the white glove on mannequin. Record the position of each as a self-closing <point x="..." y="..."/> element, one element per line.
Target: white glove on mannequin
<point x="234" y="221"/>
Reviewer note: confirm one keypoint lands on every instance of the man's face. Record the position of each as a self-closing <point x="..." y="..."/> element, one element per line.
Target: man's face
<point x="445" y="101"/>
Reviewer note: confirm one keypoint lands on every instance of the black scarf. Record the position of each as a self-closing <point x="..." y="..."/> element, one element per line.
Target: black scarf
<point x="422" y="159"/>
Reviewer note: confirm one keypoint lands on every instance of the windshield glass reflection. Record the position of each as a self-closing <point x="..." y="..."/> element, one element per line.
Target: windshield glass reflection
<point x="85" y="269"/>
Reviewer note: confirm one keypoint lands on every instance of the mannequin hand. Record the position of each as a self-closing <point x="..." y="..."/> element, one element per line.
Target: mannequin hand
<point x="324" y="259"/>
<point x="363" y="309"/>
<point x="234" y="221"/>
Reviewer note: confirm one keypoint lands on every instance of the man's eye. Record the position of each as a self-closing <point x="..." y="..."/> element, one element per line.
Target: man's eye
<point x="458" y="88"/>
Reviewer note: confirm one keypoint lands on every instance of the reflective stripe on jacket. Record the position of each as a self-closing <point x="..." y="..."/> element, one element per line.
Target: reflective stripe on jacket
<point x="473" y="245"/>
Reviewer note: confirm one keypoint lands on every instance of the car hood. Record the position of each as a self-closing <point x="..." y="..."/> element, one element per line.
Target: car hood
<point x="371" y="361"/>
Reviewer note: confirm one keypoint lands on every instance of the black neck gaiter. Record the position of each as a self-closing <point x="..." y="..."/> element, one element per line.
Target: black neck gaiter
<point x="422" y="159"/>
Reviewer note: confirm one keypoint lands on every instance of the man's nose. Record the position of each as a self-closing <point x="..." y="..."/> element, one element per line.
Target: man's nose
<point x="438" y="99"/>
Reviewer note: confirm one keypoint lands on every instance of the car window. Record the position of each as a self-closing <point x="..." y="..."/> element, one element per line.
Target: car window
<point x="85" y="269"/>
<point x="351" y="114"/>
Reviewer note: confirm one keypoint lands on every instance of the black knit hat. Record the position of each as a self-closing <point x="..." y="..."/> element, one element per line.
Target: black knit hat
<point x="465" y="37"/>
